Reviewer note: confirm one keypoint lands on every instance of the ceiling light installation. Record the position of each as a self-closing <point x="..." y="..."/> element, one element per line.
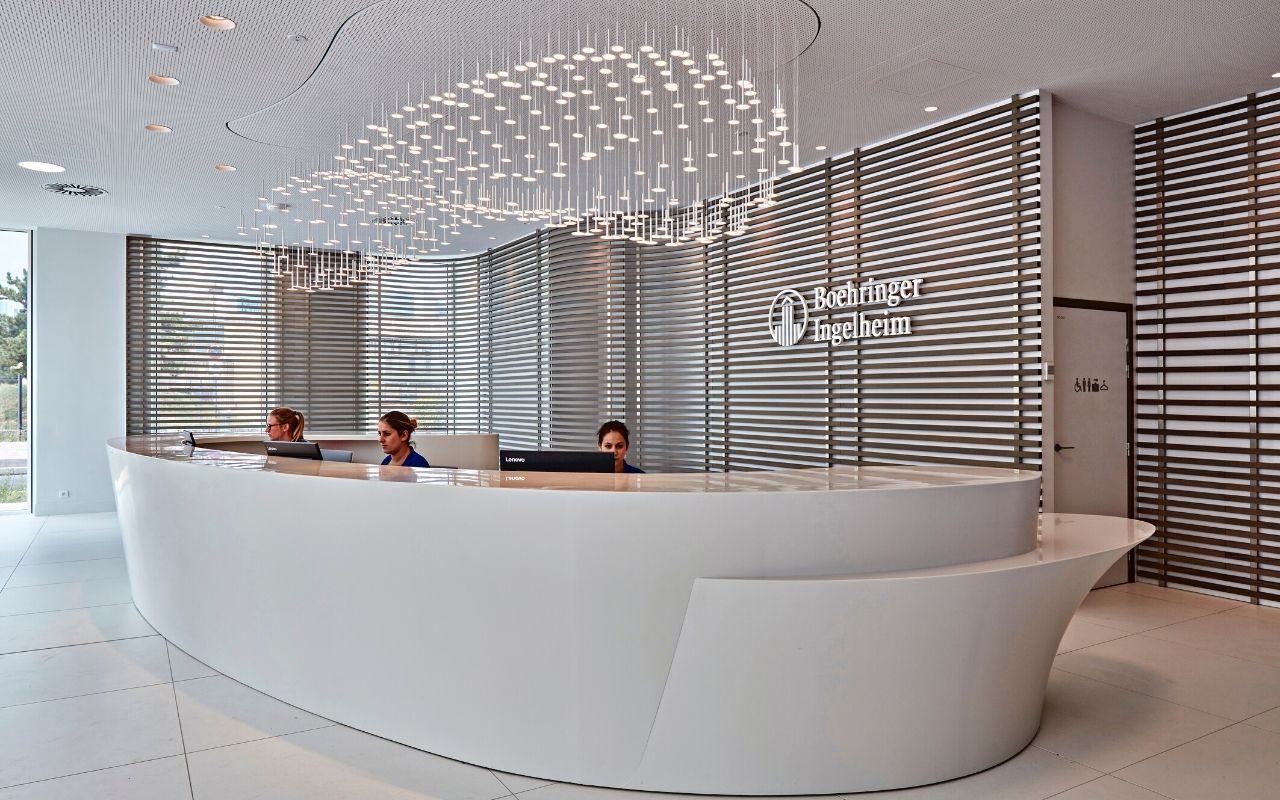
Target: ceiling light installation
<point x="618" y="136"/>
<point x="41" y="166"/>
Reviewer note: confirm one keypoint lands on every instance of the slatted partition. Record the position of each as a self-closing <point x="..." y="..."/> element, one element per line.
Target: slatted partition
<point x="544" y="338"/>
<point x="957" y="206"/>
<point x="1208" y="316"/>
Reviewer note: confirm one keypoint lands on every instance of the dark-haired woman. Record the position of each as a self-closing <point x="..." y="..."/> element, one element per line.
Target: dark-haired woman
<point x="394" y="431"/>
<point x="285" y="425"/>
<point x="613" y="437"/>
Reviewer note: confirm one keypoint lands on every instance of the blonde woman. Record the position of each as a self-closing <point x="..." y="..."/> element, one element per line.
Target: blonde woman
<point x="285" y="425"/>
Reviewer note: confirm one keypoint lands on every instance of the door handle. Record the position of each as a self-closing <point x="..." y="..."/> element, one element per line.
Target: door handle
<point x="1057" y="448"/>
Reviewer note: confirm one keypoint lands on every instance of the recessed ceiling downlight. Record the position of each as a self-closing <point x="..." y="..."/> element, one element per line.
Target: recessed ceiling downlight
<point x="74" y="189"/>
<point x="217" y="22"/>
<point x="163" y="80"/>
<point x="41" y="166"/>
<point x="156" y="128"/>
<point x="224" y="168"/>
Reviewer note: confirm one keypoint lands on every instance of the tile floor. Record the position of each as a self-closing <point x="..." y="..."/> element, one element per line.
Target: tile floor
<point x="1156" y="693"/>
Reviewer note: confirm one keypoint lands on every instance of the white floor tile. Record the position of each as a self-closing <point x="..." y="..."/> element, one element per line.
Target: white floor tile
<point x="160" y="779"/>
<point x="218" y="711"/>
<point x="1217" y="684"/>
<point x="335" y="763"/>
<point x="1106" y="727"/>
<point x="14" y="523"/>
<point x="1083" y="633"/>
<point x="14" y="542"/>
<point x="1268" y="720"/>
<point x="185" y="667"/>
<point x="77" y="626"/>
<point x="60" y="596"/>
<point x="1239" y="763"/>
<point x="52" y="548"/>
<point x="39" y="675"/>
<point x="1133" y="612"/>
<point x="1031" y="775"/>
<point x="68" y="572"/>
<point x="520" y="783"/>
<point x="1230" y="634"/>
<point x="1179" y="596"/>
<point x="1104" y="788"/>
<point x="80" y="522"/>
<point x="62" y="737"/>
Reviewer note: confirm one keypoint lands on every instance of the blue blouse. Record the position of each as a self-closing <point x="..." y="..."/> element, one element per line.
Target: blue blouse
<point x="628" y="468"/>
<point x="415" y="459"/>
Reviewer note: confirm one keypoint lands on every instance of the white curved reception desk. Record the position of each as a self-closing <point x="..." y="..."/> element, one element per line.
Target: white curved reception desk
<point x="787" y="632"/>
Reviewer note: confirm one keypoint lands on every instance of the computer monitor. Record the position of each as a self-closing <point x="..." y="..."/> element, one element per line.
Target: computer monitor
<point x="555" y="461"/>
<point x="309" y="450"/>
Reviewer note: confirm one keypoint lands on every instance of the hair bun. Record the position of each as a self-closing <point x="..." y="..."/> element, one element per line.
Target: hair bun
<point x="413" y="423"/>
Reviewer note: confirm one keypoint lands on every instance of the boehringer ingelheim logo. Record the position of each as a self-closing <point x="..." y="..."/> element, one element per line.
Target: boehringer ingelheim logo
<point x="788" y="318"/>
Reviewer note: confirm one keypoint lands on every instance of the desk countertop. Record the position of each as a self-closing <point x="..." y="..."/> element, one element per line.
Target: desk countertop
<point x="840" y="478"/>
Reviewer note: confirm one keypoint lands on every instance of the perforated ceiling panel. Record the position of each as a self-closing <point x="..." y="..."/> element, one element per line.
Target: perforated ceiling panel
<point x="76" y="91"/>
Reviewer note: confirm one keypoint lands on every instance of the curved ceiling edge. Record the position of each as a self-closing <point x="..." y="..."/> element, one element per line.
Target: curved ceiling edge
<point x="229" y="125"/>
<point x="320" y="63"/>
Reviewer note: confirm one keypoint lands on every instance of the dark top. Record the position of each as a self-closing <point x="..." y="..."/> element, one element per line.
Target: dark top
<point x="415" y="459"/>
<point x="628" y="468"/>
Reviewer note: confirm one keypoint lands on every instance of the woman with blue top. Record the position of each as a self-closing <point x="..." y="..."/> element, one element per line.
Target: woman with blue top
<point x="613" y="437"/>
<point x="394" y="430"/>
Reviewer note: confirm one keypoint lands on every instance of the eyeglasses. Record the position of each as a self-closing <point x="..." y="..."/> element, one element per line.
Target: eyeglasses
<point x="271" y="425"/>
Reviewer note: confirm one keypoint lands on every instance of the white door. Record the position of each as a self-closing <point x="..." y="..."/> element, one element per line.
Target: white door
<point x="1091" y="417"/>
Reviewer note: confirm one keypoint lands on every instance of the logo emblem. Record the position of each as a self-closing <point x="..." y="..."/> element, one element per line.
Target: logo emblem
<point x="788" y="318"/>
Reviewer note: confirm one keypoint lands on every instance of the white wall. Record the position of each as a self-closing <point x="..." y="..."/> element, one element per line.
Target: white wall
<point x="1092" y="206"/>
<point x="1089" y="230"/>
<point x="77" y="367"/>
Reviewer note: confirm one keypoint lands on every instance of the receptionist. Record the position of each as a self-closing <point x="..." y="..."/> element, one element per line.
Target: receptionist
<point x="613" y="437"/>
<point x="394" y="431"/>
<point x="285" y="425"/>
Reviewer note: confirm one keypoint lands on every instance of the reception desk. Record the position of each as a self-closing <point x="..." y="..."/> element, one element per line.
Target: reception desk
<point x="784" y="632"/>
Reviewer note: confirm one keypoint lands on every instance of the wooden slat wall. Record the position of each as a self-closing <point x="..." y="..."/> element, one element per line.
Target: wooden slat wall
<point x="1208" y="267"/>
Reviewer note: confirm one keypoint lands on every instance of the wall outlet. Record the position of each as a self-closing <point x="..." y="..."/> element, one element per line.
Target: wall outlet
<point x="63" y="494"/>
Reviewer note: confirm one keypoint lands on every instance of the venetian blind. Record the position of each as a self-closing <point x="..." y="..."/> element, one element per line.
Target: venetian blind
<point x="203" y="337"/>
<point x="1207" y="189"/>
<point x="216" y="340"/>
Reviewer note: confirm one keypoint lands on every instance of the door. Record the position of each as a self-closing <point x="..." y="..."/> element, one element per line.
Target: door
<point x="1092" y="413"/>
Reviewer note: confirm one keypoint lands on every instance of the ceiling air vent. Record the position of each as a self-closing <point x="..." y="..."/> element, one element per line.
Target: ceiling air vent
<point x="74" y="189"/>
<point x="392" y="221"/>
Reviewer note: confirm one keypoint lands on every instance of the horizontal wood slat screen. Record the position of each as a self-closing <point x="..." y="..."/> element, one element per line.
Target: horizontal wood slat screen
<point x="542" y="339"/>
<point x="1208" y="270"/>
